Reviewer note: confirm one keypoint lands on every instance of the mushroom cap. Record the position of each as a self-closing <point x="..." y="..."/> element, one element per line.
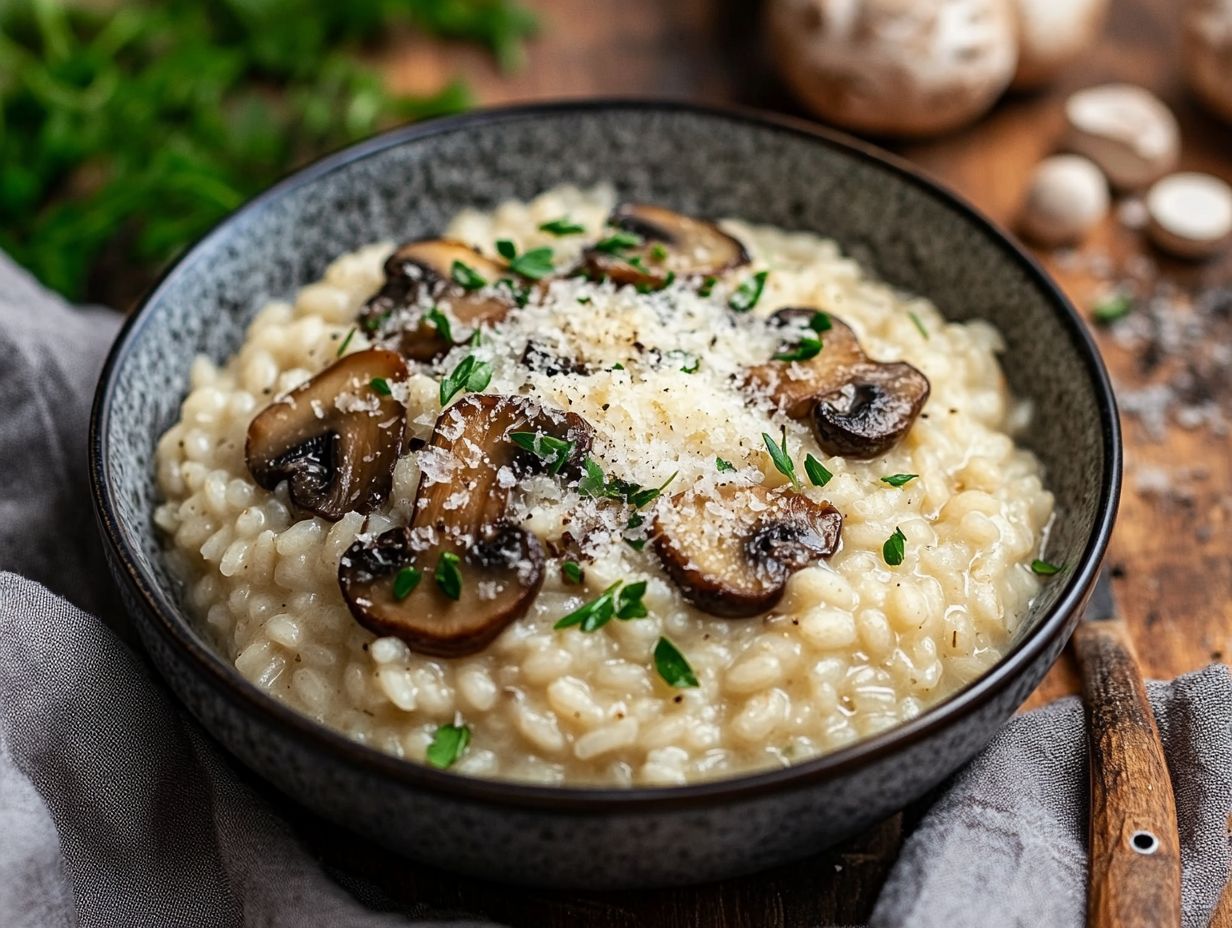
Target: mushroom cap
<point x="1207" y="53"/>
<point x="1052" y="35"/>
<point x="335" y="439"/>
<point x="731" y="554"/>
<point x="895" y="67"/>
<point x="857" y="407"/>
<point x="502" y="573"/>
<point x="460" y="509"/>
<point x="1190" y="214"/>
<point x="694" y="248"/>
<point x="419" y="275"/>
<point x="1126" y="130"/>
<point x="870" y="413"/>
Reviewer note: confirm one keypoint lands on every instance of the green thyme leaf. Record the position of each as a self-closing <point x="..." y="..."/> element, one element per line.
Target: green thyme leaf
<point x="470" y="374"/>
<point x="617" y="242"/>
<point x="381" y="386"/>
<point x="1044" y="569"/>
<point x="724" y="467"/>
<point x="748" y="293"/>
<point x="506" y="249"/>
<point x="448" y="744"/>
<point x="440" y="323"/>
<point x="817" y="473"/>
<point x="672" y="666"/>
<point x="919" y="325"/>
<point x="562" y="226"/>
<point x="707" y="286"/>
<point x="820" y="322"/>
<point x="571" y="571"/>
<point x="466" y="276"/>
<point x="809" y="346"/>
<point x="782" y="460"/>
<point x="345" y="342"/>
<point x="593" y="615"/>
<point x="899" y="480"/>
<point x="405" y="581"/>
<point x="593" y="480"/>
<point x="642" y="497"/>
<point x="658" y="252"/>
<point x="1112" y="308"/>
<point x="637" y="544"/>
<point x="894" y="548"/>
<point x="584" y="300"/>
<point x="555" y="451"/>
<point x="629" y="603"/>
<point x="448" y="575"/>
<point x="535" y="264"/>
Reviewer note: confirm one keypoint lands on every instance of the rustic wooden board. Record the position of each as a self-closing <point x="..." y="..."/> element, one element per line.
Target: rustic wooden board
<point x="1176" y="576"/>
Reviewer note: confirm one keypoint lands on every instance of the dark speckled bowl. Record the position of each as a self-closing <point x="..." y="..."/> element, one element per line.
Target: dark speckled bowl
<point x="408" y="183"/>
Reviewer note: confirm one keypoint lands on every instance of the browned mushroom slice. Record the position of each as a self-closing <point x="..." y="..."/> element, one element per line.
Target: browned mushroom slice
<point x="857" y="407"/>
<point x="426" y="272"/>
<point x="459" y="516"/>
<point x="731" y="554"/>
<point x="334" y="439"/>
<point x="670" y="245"/>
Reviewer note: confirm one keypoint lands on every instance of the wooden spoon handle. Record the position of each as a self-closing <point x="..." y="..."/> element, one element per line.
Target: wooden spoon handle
<point x="1135" y="877"/>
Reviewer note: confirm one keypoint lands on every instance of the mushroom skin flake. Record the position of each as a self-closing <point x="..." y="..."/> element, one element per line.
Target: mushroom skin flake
<point x="655" y="361"/>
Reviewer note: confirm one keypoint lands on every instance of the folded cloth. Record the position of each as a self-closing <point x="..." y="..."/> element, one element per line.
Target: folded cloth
<point x="115" y="809"/>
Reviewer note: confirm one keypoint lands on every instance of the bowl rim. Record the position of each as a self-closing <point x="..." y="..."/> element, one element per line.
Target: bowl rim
<point x="174" y="627"/>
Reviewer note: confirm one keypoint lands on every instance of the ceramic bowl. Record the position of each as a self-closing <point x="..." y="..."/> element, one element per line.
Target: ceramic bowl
<point x="407" y="183"/>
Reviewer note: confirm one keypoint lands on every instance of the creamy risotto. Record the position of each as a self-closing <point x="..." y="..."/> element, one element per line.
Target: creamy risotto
<point x="693" y="499"/>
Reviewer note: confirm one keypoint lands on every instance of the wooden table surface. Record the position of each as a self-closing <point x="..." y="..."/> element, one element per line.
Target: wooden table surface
<point x="1176" y="583"/>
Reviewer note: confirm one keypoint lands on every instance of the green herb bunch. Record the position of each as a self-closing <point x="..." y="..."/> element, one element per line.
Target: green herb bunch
<point x="128" y="129"/>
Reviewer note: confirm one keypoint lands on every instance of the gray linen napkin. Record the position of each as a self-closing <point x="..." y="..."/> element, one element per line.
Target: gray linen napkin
<point x="115" y="809"/>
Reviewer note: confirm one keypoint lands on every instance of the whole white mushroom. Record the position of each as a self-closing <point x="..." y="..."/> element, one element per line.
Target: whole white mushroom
<point x="1126" y="130"/>
<point x="1066" y="199"/>
<point x="1053" y="34"/>
<point x="1207" y="55"/>
<point x="895" y="67"/>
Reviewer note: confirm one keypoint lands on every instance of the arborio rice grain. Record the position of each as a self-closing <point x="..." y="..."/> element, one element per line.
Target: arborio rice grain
<point x="856" y="646"/>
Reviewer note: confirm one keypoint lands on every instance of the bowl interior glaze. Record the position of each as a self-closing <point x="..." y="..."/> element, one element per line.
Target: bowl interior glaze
<point x="408" y="183"/>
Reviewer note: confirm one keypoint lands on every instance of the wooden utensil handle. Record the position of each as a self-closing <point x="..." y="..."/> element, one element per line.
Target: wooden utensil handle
<point x="1135" y="875"/>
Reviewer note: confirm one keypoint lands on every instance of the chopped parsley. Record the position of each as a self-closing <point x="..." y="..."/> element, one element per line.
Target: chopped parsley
<point x="571" y="571"/>
<point x="658" y="252"/>
<point x="562" y="226"/>
<point x="372" y="323"/>
<point x="672" y="666"/>
<point x="1112" y="308"/>
<point x="470" y="374"/>
<point x="724" y="467"/>
<point x="448" y="575"/>
<point x="584" y="300"/>
<point x="809" y="346"/>
<point x="405" y="581"/>
<point x="894" y="548"/>
<point x="637" y="544"/>
<point x="555" y="451"/>
<point x="817" y="473"/>
<point x="448" y="744"/>
<point x="620" y="600"/>
<point x="919" y="325"/>
<point x="820" y="322"/>
<point x="617" y="242"/>
<point x="899" y="480"/>
<point x="535" y="264"/>
<point x="466" y="277"/>
<point x="440" y="323"/>
<point x="782" y="460"/>
<point x="692" y="363"/>
<point x="1044" y="569"/>
<point x="381" y="386"/>
<point x="707" y="286"/>
<point x="748" y="293"/>
<point x="345" y="342"/>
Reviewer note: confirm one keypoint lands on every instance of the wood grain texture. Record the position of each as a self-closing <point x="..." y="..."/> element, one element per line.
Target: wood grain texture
<point x="1176" y="586"/>
<point x="1135" y="867"/>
